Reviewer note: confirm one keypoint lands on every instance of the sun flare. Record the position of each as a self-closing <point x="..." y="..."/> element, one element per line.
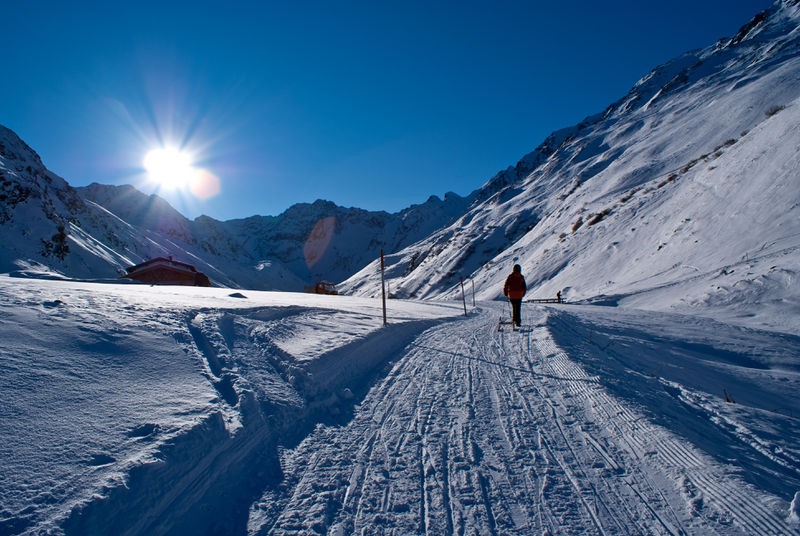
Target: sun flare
<point x="170" y="168"/>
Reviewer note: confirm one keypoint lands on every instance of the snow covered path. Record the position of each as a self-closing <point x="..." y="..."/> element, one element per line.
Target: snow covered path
<point x="480" y="432"/>
<point x="131" y="409"/>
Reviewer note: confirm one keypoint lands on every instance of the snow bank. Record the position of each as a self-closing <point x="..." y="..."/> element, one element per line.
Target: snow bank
<point x="131" y="409"/>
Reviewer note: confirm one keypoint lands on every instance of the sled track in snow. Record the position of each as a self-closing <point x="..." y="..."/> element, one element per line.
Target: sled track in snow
<point x="479" y="432"/>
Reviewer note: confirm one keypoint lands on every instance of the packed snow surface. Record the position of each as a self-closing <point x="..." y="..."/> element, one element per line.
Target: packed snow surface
<point x="130" y="409"/>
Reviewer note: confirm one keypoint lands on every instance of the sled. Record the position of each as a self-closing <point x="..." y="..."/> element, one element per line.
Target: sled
<point x="501" y="323"/>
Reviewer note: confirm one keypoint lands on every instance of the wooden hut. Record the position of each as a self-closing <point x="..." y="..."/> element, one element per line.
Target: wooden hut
<point x="162" y="271"/>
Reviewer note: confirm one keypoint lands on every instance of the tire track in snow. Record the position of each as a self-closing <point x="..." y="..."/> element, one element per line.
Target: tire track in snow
<point x="586" y="389"/>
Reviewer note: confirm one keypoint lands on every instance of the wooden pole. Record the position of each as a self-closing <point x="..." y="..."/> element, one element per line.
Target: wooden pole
<point x="383" y="289"/>
<point x="463" y="299"/>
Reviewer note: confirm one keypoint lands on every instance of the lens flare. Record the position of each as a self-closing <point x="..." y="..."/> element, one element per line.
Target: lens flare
<point x="205" y="184"/>
<point x="317" y="243"/>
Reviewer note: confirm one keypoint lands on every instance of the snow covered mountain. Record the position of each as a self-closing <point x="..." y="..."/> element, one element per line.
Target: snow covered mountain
<point x="324" y="241"/>
<point x="684" y="193"/>
<point x="50" y="229"/>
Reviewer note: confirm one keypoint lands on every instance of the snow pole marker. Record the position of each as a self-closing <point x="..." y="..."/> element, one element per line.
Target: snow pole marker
<point x="463" y="299"/>
<point x="383" y="289"/>
<point x="473" y="293"/>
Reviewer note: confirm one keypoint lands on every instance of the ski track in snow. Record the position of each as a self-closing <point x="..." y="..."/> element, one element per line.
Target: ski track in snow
<point x="212" y="415"/>
<point x="480" y="432"/>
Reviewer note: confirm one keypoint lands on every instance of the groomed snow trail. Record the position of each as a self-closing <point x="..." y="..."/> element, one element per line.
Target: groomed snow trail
<point x="480" y="432"/>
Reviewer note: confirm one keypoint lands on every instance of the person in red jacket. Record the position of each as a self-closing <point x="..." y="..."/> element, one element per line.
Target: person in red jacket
<point x="515" y="288"/>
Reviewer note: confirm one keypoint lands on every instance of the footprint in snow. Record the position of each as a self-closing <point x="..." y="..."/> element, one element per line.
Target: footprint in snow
<point x="100" y="459"/>
<point x="143" y="430"/>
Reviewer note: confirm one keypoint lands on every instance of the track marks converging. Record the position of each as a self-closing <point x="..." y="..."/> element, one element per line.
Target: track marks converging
<point x="479" y="432"/>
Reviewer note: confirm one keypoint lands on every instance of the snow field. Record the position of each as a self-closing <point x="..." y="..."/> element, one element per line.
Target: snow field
<point x="167" y="410"/>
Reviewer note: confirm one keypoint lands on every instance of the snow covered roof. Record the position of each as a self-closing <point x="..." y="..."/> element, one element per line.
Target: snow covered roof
<point x="161" y="261"/>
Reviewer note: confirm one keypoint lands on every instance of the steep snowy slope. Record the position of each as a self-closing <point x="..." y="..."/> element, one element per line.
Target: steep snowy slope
<point x="687" y="189"/>
<point x="43" y="220"/>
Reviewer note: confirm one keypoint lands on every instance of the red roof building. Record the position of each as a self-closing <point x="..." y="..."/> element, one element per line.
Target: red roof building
<point x="161" y="271"/>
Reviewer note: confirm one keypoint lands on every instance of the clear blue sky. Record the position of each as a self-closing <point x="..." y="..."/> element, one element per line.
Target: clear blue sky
<point x="370" y="104"/>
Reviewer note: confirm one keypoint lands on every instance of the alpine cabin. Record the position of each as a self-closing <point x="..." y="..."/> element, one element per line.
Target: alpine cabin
<point x="162" y="271"/>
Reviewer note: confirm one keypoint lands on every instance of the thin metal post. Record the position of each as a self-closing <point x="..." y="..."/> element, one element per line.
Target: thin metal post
<point x="383" y="289"/>
<point x="463" y="299"/>
<point x="473" y="293"/>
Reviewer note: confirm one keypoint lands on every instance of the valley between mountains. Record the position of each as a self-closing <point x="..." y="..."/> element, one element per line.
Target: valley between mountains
<point x="661" y="398"/>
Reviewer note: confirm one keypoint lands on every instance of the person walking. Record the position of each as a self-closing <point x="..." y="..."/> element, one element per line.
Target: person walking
<point x="514" y="289"/>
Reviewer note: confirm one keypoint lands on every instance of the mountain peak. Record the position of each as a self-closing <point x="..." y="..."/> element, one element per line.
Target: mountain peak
<point x="13" y="149"/>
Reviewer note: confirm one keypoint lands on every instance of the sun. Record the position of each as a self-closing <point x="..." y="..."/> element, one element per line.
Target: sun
<point x="170" y="168"/>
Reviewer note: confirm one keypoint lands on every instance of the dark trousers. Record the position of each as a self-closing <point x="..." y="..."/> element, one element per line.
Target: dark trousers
<point x="516" y="305"/>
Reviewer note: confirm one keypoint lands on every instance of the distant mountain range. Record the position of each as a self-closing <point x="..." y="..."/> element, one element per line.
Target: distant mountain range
<point x="50" y="229"/>
<point x="684" y="194"/>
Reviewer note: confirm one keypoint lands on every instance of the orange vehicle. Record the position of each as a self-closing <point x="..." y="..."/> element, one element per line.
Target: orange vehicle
<point x="326" y="287"/>
<point x="323" y="287"/>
